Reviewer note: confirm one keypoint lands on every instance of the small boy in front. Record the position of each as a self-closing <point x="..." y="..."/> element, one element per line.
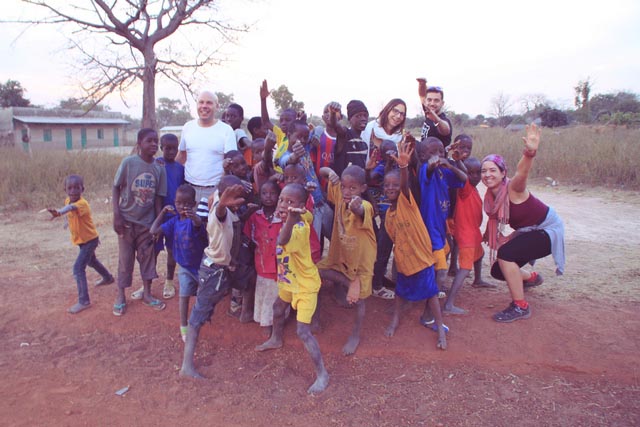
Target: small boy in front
<point x="214" y="270"/>
<point x="187" y="238"/>
<point x="298" y="279"/>
<point x="83" y="234"/>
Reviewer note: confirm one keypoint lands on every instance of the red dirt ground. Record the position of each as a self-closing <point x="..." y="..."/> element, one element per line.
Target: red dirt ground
<point x="573" y="363"/>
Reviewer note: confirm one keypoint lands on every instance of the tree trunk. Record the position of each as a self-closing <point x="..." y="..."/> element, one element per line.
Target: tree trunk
<point x="149" y="90"/>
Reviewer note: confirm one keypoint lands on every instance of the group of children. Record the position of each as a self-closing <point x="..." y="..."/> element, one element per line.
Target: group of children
<point x="260" y="236"/>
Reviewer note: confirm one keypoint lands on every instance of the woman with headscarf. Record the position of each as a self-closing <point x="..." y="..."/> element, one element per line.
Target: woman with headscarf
<point x="539" y="231"/>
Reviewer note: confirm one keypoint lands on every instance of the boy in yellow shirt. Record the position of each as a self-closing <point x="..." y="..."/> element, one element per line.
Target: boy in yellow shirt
<point x="298" y="279"/>
<point x="83" y="234"/>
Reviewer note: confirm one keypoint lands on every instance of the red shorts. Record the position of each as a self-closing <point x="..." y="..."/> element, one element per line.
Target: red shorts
<point x="467" y="256"/>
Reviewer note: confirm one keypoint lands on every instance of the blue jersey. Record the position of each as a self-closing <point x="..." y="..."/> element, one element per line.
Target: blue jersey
<point x="435" y="203"/>
<point x="187" y="241"/>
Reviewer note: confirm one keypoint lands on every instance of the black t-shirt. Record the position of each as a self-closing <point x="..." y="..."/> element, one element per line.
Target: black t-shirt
<point x="429" y="128"/>
<point x="354" y="151"/>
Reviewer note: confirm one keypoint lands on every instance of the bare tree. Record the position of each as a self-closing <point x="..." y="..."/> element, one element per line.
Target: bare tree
<point x="500" y="107"/>
<point x="127" y="50"/>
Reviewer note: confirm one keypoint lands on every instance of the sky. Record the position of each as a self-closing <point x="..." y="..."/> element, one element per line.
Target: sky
<point x="337" y="50"/>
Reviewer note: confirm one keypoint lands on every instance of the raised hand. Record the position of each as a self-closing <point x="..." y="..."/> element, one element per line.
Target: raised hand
<point x="405" y="150"/>
<point x="233" y="196"/>
<point x="298" y="151"/>
<point x="54" y="213"/>
<point x="532" y="139"/>
<point x="264" y="90"/>
<point x="422" y="87"/>
<point x="310" y="186"/>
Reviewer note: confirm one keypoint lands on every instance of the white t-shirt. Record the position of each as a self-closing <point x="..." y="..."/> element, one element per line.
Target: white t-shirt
<point x="205" y="147"/>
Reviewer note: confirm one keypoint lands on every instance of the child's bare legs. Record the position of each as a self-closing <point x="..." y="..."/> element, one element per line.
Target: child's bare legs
<point x="477" y="276"/>
<point x="434" y="305"/>
<point x="441" y="277"/>
<point x="458" y="281"/>
<point x="183" y="307"/>
<point x="188" y="369"/>
<point x="169" y="289"/>
<point x="453" y="260"/>
<point x="277" y="330"/>
<point x="353" y="295"/>
<point x="248" y="299"/>
<point x="354" y="339"/>
<point x="147" y="296"/>
<point x="311" y="344"/>
<point x="339" y="292"/>
<point x="399" y="307"/>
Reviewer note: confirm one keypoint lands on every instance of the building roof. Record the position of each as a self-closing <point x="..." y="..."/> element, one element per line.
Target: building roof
<point x="70" y="120"/>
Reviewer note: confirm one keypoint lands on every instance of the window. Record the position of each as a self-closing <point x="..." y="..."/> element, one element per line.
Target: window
<point x="46" y="135"/>
<point x="100" y="133"/>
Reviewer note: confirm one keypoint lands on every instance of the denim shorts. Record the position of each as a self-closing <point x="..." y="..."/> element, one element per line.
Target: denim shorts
<point x="188" y="282"/>
<point x="213" y="282"/>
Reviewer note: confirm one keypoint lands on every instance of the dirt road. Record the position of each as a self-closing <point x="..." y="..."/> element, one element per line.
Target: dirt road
<point x="573" y="363"/>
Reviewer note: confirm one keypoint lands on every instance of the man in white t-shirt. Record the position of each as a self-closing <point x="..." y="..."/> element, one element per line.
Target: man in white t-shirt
<point x="203" y="143"/>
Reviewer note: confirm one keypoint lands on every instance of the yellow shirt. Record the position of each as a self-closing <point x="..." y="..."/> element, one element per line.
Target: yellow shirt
<point x="296" y="271"/>
<point x="282" y="145"/>
<point x="80" y="222"/>
<point x="353" y="242"/>
<point x="412" y="249"/>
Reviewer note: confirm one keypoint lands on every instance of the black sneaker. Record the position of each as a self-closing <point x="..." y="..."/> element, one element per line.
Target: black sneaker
<point x="535" y="280"/>
<point x="512" y="313"/>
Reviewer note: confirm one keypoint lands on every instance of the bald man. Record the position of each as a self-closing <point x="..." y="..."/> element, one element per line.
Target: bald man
<point x="203" y="143"/>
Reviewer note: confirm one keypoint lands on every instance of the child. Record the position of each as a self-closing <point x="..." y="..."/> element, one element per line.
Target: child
<point x="299" y="153"/>
<point x="286" y="118"/>
<point x="85" y="235"/>
<point x="324" y="139"/>
<point x="263" y="228"/>
<point x="349" y="264"/>
<point x="349" y="147"/>
<point x="233" y="116"/>
<point x="381" y="162"/>
<point x="468" y="219"/>
<point x="138" y="188"/>
<point x="187" y="237"/>
<point x="459" y="150"/>
<point x="254" y="126"/>
<point x="413" y="252"/>
<point x="436" y="177"/>
<point x="175" y="178"/>
<point x="298" y="280"/>
<point x="213" y="276"/>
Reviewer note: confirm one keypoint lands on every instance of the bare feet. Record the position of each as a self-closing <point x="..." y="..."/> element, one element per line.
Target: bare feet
<point x="351" y="345"/>
<point x="353" y="295"/>
<point x="270" y="344"/>
<point x="453" y="310"/>
<point x="320" y="384"/>
<point x="190" y="372"/>
<point x="391" y="329"/>
<point x="266" y="331"/>
<point x="442" y="339"/>
<point x="482" y="284"/>
<point x="77" y="308"/>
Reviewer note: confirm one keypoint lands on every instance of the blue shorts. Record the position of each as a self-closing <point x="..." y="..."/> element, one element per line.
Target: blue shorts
<point x="418" y="286"/>
<point x="213" y="283"/>
<point x="188" y="282"/>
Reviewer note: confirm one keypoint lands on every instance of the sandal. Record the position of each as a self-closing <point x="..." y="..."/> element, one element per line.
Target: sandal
<point x="138" y="294"/>
<point x="169" y="291"/>
<point x="156" y="304"/>
<point x="119" y="309"/>
<point x="431" y="324"/>
<point x="383" y="293"/>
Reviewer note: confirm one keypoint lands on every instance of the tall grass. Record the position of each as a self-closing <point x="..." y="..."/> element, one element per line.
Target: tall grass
<point x="37" y="182"/>
<point x="595" y="156"/>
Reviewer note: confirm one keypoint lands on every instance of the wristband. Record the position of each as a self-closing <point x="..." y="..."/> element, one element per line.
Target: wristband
<point x="529" y="153"/>
<point x="403" y="166"/>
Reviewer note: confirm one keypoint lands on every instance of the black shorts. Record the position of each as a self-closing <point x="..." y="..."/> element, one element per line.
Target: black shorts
<point x="213" y="283"/>
<point x="522" y="249"/>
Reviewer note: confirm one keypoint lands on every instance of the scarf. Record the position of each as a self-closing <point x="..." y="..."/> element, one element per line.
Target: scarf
<point x="497" y="209"/>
